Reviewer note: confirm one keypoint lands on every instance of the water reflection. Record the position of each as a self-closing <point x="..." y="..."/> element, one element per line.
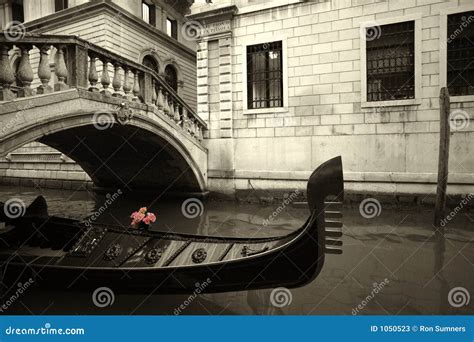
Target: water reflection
<point x="439" y="262"/>
<point x="400" y="245"/>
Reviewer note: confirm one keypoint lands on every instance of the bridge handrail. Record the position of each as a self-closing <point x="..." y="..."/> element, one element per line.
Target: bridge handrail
<point x="74" y="55"/>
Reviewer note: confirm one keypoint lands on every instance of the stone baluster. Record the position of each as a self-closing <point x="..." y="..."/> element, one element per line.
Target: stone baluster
<point x="185" y="119"/>
<point x="7" y="77"/>
<point x="193" y="127"/>
<point x="126" y="84"/>
<point x="61" y="70"/>
<point x="166" y="108"/>
<point x="199" y="132"/>
<point x="177" y="116"/>
<point x="93" y="76"/>
<point x="24" y="72"/>
<point x="190" y="125"/>
<point x="171" y="106"/>
<point x="136" y="87"/>
<point x="159" y="101"/>
<point x="44" y="72"/>
<point x="153" y="92"/>
<point x="117" y="81"/>
<point x="105" y="78"/>
<point x="196" y="129"/>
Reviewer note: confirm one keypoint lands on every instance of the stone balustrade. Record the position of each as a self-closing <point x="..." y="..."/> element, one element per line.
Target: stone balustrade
<point x="76" y="66"/>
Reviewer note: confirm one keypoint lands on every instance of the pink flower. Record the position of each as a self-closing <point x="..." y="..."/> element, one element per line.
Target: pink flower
<point x="142" y="216"/>
<point x="137" y="217"/>
<point x="152" y="217"/>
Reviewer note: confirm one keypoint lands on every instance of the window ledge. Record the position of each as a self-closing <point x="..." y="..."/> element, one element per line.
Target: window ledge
<point x="411" y="102"/>
<point x="463" y="98"/>
<point x="265" y="110"/>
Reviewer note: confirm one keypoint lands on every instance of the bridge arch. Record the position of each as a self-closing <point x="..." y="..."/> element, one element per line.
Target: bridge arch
<point x="140" y="153"/>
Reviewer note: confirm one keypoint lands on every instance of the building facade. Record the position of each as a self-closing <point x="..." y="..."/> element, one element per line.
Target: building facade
<point x="286" y="85"/>
<point x="152" y="33"/>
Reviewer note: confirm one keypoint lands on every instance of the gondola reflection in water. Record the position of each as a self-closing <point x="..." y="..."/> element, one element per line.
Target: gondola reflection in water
<point x="67" y="253"/>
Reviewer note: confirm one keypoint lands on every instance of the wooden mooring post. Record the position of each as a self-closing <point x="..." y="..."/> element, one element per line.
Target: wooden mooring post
<point x="444" y="131"/>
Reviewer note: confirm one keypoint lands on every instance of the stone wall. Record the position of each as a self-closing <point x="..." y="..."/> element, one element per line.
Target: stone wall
<point x="389" y="148"/>
<point x="38" y="165"/>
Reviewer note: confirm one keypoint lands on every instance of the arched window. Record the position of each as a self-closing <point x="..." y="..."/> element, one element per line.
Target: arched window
<point x="171" y="77"/>
<point x="150" y="62"/>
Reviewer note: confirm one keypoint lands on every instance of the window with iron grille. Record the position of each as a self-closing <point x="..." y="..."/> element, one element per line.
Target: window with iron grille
<point x="264" y="75"/>
<point x="390" y="53"/>
<point x="460" y="53"/>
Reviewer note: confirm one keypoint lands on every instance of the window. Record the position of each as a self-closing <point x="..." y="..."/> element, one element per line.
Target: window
<point x="172" y="28"/>
<point x="171" y="77"/>
<point x="17" y="11"/>
<point x="390" y="61"/>
<point x="60" y="5"/>
<point x="460" y="53"/>
<point x="149" y="13"/>
<point x="151" y="63"/>
<point x="264" y="75"/>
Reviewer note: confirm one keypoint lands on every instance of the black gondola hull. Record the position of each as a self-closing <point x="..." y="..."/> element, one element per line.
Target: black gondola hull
<point x="125" y="260"/>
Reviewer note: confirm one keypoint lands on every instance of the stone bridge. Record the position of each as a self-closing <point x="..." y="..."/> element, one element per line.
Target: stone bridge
<point x="133" y="132"/>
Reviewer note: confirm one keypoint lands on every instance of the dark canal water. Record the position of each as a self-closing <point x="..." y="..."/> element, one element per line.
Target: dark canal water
<point x="395" y="263"/>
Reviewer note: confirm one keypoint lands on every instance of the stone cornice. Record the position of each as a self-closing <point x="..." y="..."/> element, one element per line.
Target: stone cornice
<point x="77" y="13"/>
<point x="213" y="15"/>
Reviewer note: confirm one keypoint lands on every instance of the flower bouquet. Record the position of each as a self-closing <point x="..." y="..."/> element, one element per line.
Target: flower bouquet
<point x="142" y="219"/>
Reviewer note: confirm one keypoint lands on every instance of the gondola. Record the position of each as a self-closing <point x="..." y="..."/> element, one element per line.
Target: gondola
<point x="69" y="254"/>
